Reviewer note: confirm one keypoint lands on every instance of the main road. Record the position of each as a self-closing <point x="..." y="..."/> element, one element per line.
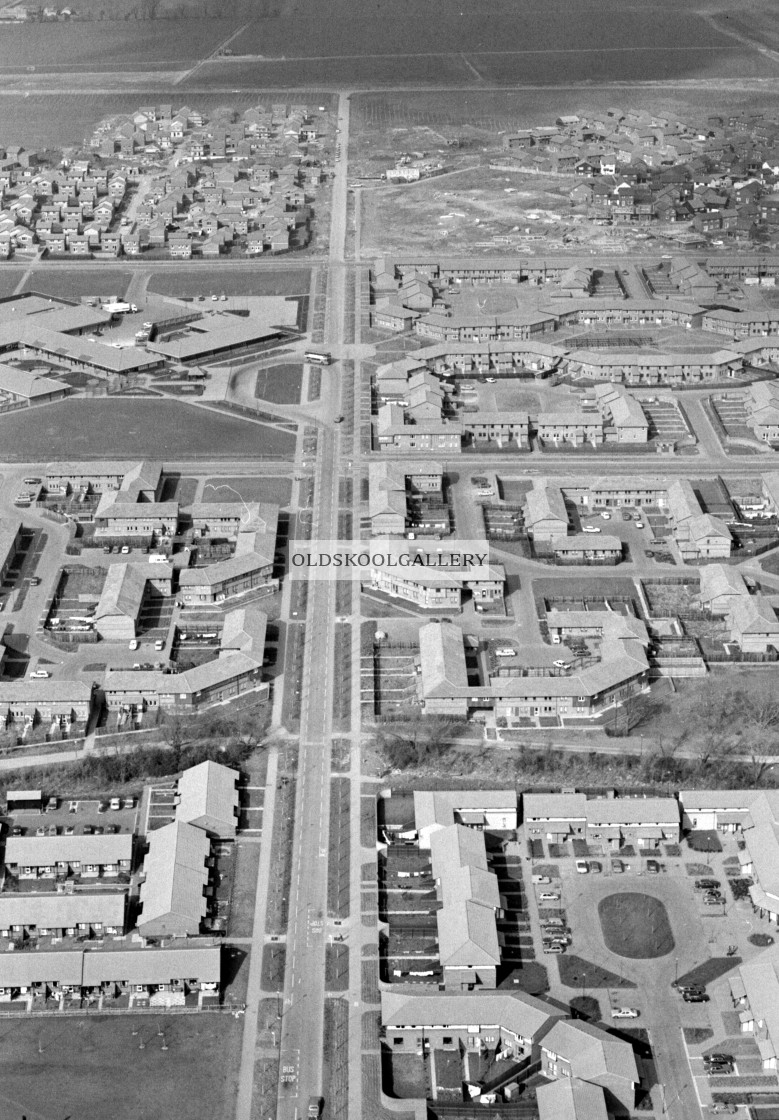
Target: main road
<point x="304" y="981"/>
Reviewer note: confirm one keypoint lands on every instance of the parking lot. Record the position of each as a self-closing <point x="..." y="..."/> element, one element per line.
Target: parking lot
<point x="75" y="816"/>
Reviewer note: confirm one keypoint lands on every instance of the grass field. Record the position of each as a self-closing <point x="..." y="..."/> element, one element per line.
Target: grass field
<point x="90" y="1068"/>
<point x="280" y="384"/>
<point x="136" y="429"/>
<point x="76" y="282"/>
<point x="260" y="489"/>
<point x="257" y="281"/>
<point x="635" y="925"/>
<point x="9" y="281"/>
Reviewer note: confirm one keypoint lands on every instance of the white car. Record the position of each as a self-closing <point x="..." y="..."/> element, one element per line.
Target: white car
<point x="582" y="867"/>
<point x="560" y="664"/>
<point x="490" y="380"/>
<point x="606" y="516"/>
<point x="590" y="529"/>
<point x="549" y="896"/>
<point x="639" y="524"/>
<point x="133" y="644"/>
<point x="624" y="1013"/>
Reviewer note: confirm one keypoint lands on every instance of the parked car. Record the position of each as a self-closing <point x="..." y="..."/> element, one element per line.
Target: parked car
<point x="624" y="1013"/>
<point x="606" y="516"/>
<point x="707" y="884"/>
<point x="133" y="644"/>
<point x="695" y="997"/>
<point x="590" y="529"/>
<point x="595" y="867"/>
<point x="17" y="831"/>
<point x="549" y="896"/>
<point x="708" y="901"/>
<point x="582" y="867"/>
<point x="652" y="867"/>
<point x="718" y="1058"/>
<point x="115" y="803"/>
<point x="617" y="866"/>
<point x="556" y="947"/>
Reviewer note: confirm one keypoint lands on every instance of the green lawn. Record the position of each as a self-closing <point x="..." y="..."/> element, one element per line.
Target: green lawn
<point x="135" y="429"/>
<point x="92" y="1067"/>
<point x="635" y="925"/>
<point x="280" y="384"/>
<point x="576" y="972"/>
<point x="259" y="488"/>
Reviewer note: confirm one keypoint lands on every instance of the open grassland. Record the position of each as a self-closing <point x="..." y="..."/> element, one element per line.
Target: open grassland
<point x="260" y="489"/>
<point x="93" y="1067"/>
<point x="260" y="280"/>
<point x="76" y="282"/>
<point x="142" y="429"/>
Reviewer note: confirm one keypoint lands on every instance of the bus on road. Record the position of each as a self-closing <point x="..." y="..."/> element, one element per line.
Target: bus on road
<point x="319" y="357"/>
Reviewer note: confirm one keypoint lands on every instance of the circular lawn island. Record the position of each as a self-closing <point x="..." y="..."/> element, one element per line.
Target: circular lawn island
<point x="635" y="925"/>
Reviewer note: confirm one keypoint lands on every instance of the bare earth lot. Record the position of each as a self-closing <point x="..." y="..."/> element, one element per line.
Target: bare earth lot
<point x="124" y="428"/>
<point x="194" y="1078"/>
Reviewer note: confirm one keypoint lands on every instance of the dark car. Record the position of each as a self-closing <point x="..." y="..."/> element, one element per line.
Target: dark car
<point x="652" y="867"/>
<point x="728" y="1058"/>
<point x="707" y="884"/>
<point x="715" y="1068"/>
<point x="695" y="997"/>
<point x="17" y="831"/>
<point x="694" y="989"/>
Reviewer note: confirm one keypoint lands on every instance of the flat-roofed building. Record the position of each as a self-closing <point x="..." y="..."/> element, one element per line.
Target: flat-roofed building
<point x="80" y="914"/>
<point x="208" y="799"/>
<point x="11" y="533"/>
<point x="81" y="354"/>
<point x="173" y="893"/>
<point x="213" y="336"/>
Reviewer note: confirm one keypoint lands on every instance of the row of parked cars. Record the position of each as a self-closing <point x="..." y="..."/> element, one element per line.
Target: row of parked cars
<point x="712" y="895"/>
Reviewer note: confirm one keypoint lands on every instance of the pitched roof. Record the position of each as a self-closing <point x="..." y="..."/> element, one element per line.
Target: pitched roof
<point x="545" y="503"/>
<point x="721" y="579"/>
<point x="522" y="1014"/>
<point x="43" y="851"/>
<point x="208" y="798"/>
<point x="442" y="658"/>
<point x="176" y="874"/>
<point x="467" y="930"/>
<point x="570" y="1098"/>
<point x="123" y="591"/>
<point x="592" y="1054"/>
<point x="55" y="911"/>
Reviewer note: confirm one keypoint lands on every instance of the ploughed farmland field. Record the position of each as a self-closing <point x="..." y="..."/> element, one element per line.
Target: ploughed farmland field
<point x="111" y="45"/>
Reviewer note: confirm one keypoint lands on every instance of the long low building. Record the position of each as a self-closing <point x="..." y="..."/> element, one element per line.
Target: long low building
<point x="137" y="691"/>
<point x="80" y="972"/>
<point x="486" y="808"/>
<point x="80" y="914"/>
<point x="643" y="822"/>
<point x="53" y="857"/>
<point x="27" y="702"/>
<point x="213" y="336"/>
<point x="83" y="355"/>
<point x="468" y="943"/>
<point x="444" y="688"/>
